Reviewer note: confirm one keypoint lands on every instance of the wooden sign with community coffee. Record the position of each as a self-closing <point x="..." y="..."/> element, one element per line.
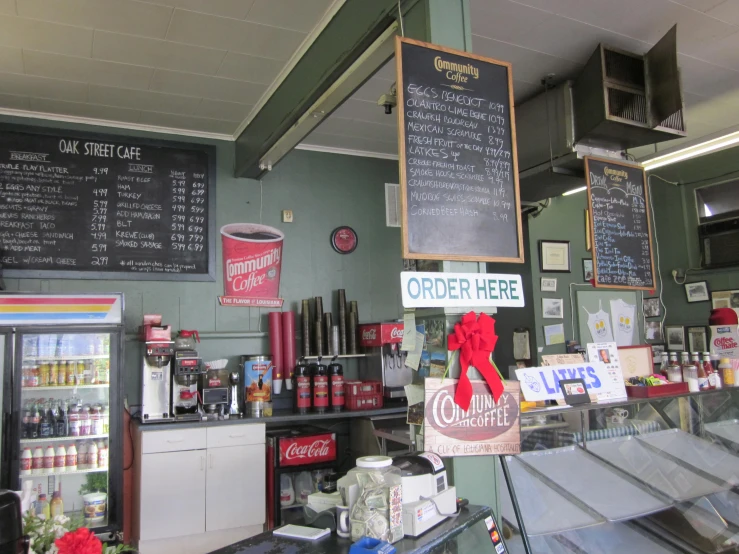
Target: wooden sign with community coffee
<point x="458" y="168"/>
<point x="91" y="206"/>
<point x="621" y="229"/>
<point x="487" y="428"/>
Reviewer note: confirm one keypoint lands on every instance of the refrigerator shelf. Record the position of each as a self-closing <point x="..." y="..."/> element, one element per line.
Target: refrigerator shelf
<point x="73" y="387"/>
<point x="68" y="358"/>
<point x="57" y="439"/>
<point x="62" y="473"/>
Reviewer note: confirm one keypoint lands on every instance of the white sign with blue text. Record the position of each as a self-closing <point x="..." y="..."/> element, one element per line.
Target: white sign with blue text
<point x="460" y="290"/>
<point x="542" y="383"/>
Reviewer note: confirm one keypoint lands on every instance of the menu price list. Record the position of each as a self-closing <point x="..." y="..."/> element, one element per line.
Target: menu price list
<point x="459" y="171"/>
<point x="92" y="205"/>
<point x="620" y="225"/>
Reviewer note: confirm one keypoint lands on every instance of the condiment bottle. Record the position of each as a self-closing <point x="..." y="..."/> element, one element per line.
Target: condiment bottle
<point x="703" y="383"/>
<point x="714" y="377"/>
<point x="319" y="378"/>
<point x="336" y="377"/>
<point x="674" y="371"/>
<point x="57" y="506"/>
<point x="690" y="373"/>
<point x="663" y="365"/>
<point x="727" y="372"/>
<point x="302" y="388"/>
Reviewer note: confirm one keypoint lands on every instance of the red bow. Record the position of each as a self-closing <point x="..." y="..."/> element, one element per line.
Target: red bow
<point x="475" y="339"/>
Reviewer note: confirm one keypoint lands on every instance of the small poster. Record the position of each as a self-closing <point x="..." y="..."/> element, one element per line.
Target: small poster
<point x="607" y="353"/>
<point x="560" y="359"/>
<point x="542" y="383"/>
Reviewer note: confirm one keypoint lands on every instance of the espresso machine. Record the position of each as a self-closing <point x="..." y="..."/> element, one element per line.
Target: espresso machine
<point x="184" y="404"/>
<point x="156" y="381"/>
<point x="214" y="384"/>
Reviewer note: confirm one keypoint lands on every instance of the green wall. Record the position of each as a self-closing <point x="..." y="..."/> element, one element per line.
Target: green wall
<point x="324" y="191"/>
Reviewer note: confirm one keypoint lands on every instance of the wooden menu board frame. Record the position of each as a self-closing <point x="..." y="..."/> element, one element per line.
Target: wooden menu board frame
<point x="399" y="41"/>
<point x="591" y="226"/>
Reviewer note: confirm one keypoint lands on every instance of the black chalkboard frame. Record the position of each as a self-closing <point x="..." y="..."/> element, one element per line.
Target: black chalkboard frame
<point x="210" y="150"/>
<point x="407" y="253"/>
<point x="591" y="225"/>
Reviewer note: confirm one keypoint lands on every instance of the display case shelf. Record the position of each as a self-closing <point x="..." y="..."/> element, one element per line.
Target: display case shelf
<point x="67" y="358"/>
<point x="66" y="387"/>
<point x="63" y="439"/>
<point x="62" y="473"/>
<point x="340" y="356"/>
<point x="725" y="430"/>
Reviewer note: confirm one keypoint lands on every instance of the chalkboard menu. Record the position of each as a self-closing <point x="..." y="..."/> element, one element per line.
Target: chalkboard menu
<point x="457" y="141"/>
<point x="621" y="226"/>
<point x="90" y="206"/>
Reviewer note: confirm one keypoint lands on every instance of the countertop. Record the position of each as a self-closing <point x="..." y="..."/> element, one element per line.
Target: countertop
<point x="279" y="416"/>
<point x="333" y="544"/>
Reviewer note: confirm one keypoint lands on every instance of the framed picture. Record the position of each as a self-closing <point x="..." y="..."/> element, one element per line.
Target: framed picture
<point x="574" y="391"/>
<point x="697" y="339"/>
<point x="554" y="256"/>
<point x="651" y="307"/>
<point x="552" y="308"/>
<point x="653" y="330"/>
<point x="587" y="269"/>
<point x="657" y="350"/>
<point x="675" y="337"/>
<point x="697" y="292"/>
<point x="548" y="284"/>
<point x="725" y="299"/>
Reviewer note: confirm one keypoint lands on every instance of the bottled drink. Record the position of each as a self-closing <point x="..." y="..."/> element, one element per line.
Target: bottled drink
<point x="71" y="462"/>
<point x="62" y="374"/>
<point x="46" y="426"/>
<point x="320" y="387"/>
<point x="727" y="372"/>
<point x="71" y="373"/>
<point x="26" y="462"/>
<point x="92" y="456"/>
<point x="42" y="507"/>
<point x="674" y="371"/>
<point x="85" y="423"/>
<point x="60" y="458"/>
<point x="663" y="364"/>
<point x="37" y="463"/>
<point x="690" y="373"/>
<point x="82" y="456"/>
<point x="102" y="455"/>
<point x="73" y="419"/>
<point x="53" y="374"/>
<point x="79" y="378"/>
<point x="702" y="377"/>
<point x="48" y="459"/>
<point x="97" y="420"/>
<point x="60" y="420"/>
<point x="57" y="506"/>
<point x="336" y="376"/>
<point x="714" y="377"/>
<point x="302" y="387"/>
<point x="44" y="374"/>
<point x="26" y="421"/>
<point x="105" y="417"/>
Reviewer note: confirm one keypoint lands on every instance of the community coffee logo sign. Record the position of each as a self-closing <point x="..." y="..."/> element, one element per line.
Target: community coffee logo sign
<point x="486" y="428"/>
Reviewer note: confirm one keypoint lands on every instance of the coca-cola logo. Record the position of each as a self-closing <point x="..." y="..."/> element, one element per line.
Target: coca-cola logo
<point x="396" y="333"/>
<point x="316" y="449"/>
<point x="725" y="343"/>
<point x="369" y="334"/>
<point x="485" y="419"/>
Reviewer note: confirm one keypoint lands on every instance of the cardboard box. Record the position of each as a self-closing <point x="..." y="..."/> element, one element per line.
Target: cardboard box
<point x="725" y="341"/>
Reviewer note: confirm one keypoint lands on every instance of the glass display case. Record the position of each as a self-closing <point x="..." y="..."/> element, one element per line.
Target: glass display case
<point x="651" y="475"/>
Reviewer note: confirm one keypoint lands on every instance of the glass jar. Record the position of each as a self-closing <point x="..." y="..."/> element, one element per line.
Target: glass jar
<point x="187" y="340"/>
<point x="377" y="513"/>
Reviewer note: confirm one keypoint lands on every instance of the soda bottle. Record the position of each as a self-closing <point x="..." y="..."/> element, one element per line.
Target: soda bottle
<point x="46" y="426"/>
<point x="320" y="387"/>
<point x="336" y="377"/>
<point x="33" y="432"/>
<point x="702" y="377"/>
<point x="26" y="421"/>
<point x="60" y="420"/>
<point x="302" y="388"/>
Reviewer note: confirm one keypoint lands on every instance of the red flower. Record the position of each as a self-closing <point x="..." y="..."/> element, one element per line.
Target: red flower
<point x="82" y="541"/>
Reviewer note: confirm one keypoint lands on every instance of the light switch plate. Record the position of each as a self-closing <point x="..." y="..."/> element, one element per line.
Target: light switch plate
<point x="287" y="216"/>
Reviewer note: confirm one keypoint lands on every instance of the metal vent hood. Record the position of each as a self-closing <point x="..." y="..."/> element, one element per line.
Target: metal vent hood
<point x="620" y="100"/>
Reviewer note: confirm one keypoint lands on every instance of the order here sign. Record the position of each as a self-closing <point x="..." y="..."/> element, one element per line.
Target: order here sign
<point x="466" y="290"/>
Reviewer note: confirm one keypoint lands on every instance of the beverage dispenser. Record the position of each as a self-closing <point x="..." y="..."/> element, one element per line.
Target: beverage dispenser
<point x="384" y="360"/>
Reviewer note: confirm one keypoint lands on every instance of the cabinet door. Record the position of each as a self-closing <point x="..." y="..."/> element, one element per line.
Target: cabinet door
<point x="172" y="494"/>
<point x="234" y="494"/>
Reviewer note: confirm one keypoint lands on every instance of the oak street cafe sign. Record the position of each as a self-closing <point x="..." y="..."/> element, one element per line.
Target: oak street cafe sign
<point x="487" y="428"/>
<point x="446" y="290"/>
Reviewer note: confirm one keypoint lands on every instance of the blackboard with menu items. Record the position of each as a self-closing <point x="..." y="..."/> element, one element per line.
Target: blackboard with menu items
<point x="90" y="206"/>
<point x="621" y="227"/>
<point x="457" y="141"/>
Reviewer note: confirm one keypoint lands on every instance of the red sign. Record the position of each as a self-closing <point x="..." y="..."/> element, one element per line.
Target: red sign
<point x="250" y="302"/>
<point x="311" y="449"/>
<point x="377" y="334"/>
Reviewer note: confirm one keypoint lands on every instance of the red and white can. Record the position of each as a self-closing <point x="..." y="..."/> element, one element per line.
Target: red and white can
<point x="252" y="259"/>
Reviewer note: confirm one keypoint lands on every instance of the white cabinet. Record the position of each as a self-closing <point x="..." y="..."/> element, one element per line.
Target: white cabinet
<point x="235" y="487"/>
<point x="172" y="494"/>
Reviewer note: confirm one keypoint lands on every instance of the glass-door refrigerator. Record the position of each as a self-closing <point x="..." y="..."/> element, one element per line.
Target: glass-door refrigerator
<point x="62" y="403"/>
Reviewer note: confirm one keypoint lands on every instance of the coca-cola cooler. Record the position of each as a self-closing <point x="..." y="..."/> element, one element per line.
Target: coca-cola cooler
<point x="384" y="360"/>
<point x="291" y="451"/>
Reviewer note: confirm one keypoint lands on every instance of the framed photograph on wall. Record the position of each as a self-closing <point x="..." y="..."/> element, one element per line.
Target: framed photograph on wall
<point x="651" y="307"/>
<point x="697" y="292"/>
<point x="554" y="256"/>
<point x="653" y="330"/>
<point x="657" y="350"/>
<point x="675" y="337"/>
<point x="552" y="308"/>
<point x="725" y="299"/>
<point x="548" y="284"/>
<point x="587" y="269"/>
<point x="697" y="339"/>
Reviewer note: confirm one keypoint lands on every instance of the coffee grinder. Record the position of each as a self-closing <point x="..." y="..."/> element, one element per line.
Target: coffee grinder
<point x="155" y="381"/>
<point x="213" y="389"/>
<point x="187" y="367"/>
